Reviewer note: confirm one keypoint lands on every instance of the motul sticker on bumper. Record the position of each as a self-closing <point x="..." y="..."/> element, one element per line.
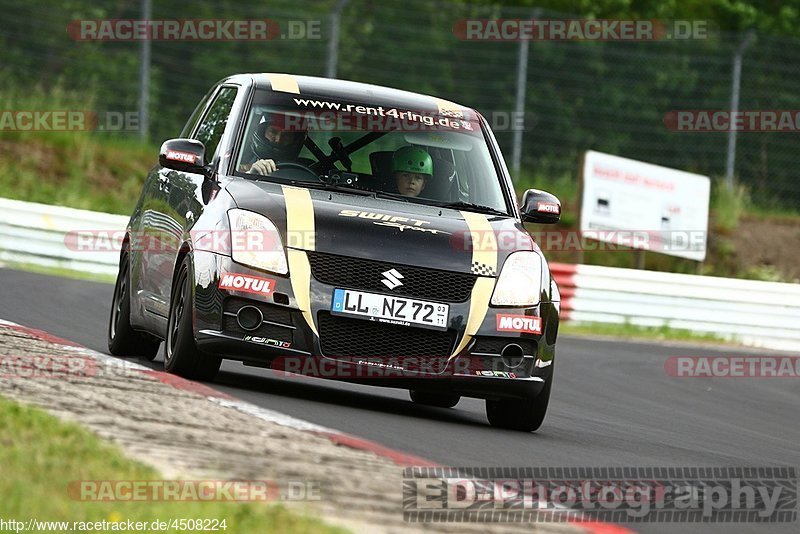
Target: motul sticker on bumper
<point x="248" y="284"/>
<point x="519" y="323"/>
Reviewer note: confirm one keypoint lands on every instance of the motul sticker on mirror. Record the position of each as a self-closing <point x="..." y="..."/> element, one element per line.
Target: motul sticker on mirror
<point x="525" y="324"/>
<point x="176" y="155"/>
<point x="248" y="284"/>
<point x="548" y="207"/>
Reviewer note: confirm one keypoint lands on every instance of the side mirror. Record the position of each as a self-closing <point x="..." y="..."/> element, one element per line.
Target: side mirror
<point x="540" y="207"/>
<point x="185" y="155"/>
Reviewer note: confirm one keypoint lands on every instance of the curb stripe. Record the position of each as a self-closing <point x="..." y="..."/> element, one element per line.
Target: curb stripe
<point x="185" y="385"/>
<point x="400" y="458"/>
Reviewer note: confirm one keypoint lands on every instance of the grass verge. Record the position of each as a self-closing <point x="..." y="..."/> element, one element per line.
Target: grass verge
<point x="59" y="271"/>
<point x="41" y="455"/>
<point x="630" y="331"/>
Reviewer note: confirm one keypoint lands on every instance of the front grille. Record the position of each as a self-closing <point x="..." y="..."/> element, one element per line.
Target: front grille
<point x="271" y="313"/>
<point x="344" y="337"/>
<point x="366" y="275"/>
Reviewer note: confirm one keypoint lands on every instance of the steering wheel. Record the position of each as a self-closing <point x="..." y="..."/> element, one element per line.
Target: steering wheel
<point x="298" y="166"/>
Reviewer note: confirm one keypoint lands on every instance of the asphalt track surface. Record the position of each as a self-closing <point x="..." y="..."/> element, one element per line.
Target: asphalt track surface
<point x="613" y="404"/>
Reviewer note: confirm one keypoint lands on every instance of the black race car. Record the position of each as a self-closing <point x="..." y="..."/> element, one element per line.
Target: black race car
<point x="347" y="231"/>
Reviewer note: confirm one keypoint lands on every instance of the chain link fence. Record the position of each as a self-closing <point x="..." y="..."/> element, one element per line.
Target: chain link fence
<point x="608" y="96"/>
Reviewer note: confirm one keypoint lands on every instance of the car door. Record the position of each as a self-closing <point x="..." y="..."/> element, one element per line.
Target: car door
<point x="178" y="203"/>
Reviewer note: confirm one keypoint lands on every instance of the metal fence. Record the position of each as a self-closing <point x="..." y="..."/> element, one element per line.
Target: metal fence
<point x="607" y="96"/>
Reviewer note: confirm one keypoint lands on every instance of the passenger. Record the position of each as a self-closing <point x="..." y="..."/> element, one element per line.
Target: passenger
<point x="411" y="169"/>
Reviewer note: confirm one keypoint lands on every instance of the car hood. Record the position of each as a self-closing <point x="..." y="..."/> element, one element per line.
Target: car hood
<point x="382" y="229"/>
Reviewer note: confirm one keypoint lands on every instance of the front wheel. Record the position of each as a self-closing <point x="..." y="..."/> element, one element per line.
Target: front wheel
<point x="440" y="400"/>
<point x="181" y="355"/>
<point x="123" y="340"/>
<point x="525" y="414"/>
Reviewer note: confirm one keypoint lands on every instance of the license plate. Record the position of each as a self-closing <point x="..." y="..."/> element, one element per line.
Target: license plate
<point x="390" y="310"/>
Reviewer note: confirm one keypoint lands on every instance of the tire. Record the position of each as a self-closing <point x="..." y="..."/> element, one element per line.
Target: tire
<point x="525" y="414"/>
<point x="440" y="400"/>
<point x="123" y="340"/>
<point x="181" y="355"/>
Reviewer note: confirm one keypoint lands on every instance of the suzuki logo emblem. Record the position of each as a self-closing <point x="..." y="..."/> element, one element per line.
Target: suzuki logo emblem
<point x="391" y="278"/>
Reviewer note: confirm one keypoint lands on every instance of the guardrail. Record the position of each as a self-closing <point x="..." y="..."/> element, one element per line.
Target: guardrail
<point x="765" y="314"/>
<point x="37" y="234"/>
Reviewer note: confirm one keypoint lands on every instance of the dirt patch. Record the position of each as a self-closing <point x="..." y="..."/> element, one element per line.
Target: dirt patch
<point x="32" y="155"/>
<point x="768" y="245"/>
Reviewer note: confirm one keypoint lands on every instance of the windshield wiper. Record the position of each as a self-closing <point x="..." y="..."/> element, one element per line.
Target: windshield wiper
<point x="330" y="187"/>
<point x="474" y="207"/>
<point x="387" y="194"/>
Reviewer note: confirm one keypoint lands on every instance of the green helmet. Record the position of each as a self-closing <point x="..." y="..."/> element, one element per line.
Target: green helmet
<point x="412" y="159"/>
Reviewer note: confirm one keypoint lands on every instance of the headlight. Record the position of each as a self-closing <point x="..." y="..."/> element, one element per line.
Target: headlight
<point x="520" y="281"/>
<point x="255" y="242"/>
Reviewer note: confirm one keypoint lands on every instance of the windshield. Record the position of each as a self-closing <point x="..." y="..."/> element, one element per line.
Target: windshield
<point x="428" y="158"/>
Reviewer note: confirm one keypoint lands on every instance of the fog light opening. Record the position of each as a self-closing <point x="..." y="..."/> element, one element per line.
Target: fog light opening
<point x="249" y="318"/>
<point x="512" y="355"/>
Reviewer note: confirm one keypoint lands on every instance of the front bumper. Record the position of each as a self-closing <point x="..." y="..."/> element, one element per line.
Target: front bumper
<point x="297" y="343"/>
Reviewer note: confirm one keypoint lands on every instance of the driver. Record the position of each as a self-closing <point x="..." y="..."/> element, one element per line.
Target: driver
<point x="411" y="169"/>
<point x="276" y="139"/>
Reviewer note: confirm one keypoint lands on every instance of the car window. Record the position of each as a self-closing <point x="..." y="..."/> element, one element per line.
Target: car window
<point x="195" y="117"/>
<point x="425" y="162"/>
<point x="213" y="124"/>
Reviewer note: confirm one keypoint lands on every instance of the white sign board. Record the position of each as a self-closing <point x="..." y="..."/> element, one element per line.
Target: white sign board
<point x="644" y="206"/>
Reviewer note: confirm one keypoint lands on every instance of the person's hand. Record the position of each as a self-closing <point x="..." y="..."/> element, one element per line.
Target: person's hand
<point x="263" y="167"/>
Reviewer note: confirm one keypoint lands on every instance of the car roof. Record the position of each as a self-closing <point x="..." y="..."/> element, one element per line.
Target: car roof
<point x="343" y="90"/>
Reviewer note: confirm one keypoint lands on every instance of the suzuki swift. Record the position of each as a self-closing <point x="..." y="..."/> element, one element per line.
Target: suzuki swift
<point x="345" y="231"/>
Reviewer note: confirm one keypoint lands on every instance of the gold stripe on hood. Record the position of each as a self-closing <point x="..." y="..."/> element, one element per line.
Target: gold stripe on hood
<point x="285" y="83"/>
<point x="300" y="231"/>
<point x="484" y="262"/>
